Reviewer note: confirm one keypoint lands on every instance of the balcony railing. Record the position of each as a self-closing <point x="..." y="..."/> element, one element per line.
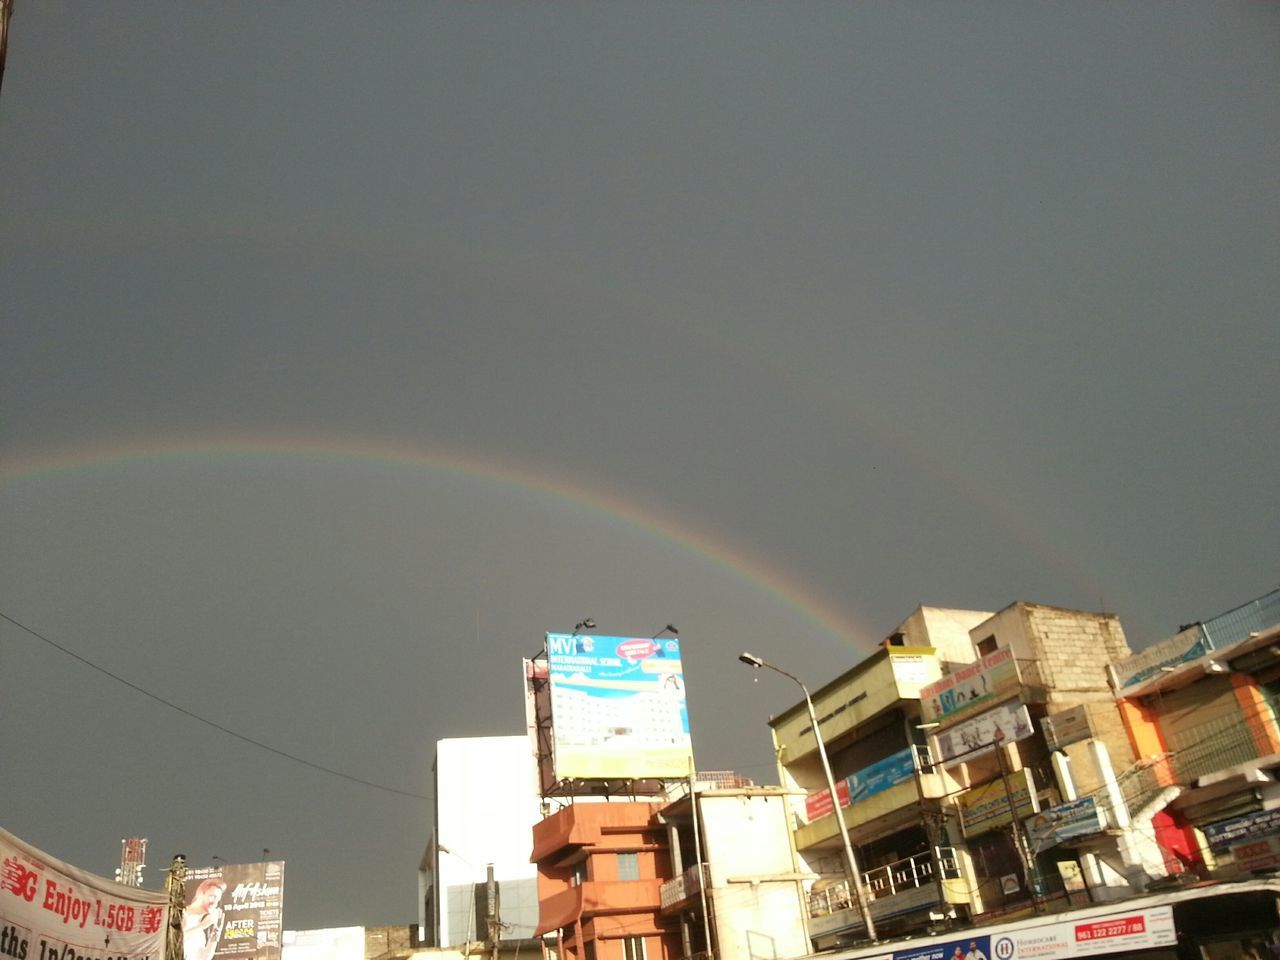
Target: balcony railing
<point x="1217" y="744"/>
<point x="880" y="883"/>
<point x="688" y="884"/>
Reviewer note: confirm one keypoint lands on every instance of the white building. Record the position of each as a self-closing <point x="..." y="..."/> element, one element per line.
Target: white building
<point x="486" y="805"/>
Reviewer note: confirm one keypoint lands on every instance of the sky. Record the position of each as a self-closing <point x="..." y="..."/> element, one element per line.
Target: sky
<point x="348" y="350"/>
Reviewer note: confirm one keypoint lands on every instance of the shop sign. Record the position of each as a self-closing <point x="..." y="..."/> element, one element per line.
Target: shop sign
<point x="971" y="688"/>
<point x="981" y="734"/>
<point x="1225" y="833"/>
<point x="1131" y="930"/>
<point x="986" y="807"/>
<point x="1080" y="818"/>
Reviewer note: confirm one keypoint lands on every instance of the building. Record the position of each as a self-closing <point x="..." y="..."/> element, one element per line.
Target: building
<point x="708" y="871"/>
<point x="1201" y="709"/>
<point x="486" y="804"/>
<point x="888" y="792"/>
<point x="937" y="744"/>
<point x="600" y="870"/>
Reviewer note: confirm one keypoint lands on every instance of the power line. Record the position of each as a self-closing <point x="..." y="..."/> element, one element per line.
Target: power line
<point x="210" y="723"/>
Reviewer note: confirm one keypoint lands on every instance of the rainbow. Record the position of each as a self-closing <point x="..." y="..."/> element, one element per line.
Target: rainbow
<point x="442" y="461"/>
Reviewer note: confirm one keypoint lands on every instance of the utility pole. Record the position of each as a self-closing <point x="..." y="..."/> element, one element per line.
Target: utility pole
<point x="175" y="883"/>
<point x="491" y="903"/>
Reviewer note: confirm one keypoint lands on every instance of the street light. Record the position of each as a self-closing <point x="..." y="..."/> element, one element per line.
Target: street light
<point x="851" y="861"/>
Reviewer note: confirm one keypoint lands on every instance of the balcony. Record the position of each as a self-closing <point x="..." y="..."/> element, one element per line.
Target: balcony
<point x="900" y="887"/>
<point x="675" y="894"/>
<point x="1217" y="744"/>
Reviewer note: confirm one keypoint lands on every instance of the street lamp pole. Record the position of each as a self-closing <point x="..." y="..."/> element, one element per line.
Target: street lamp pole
<point x="851" y="861"/>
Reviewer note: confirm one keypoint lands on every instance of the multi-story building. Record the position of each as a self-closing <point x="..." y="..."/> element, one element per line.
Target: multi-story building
<point x="942" y="767"/>
<point x="1201" y="709"/>
<point x="486" y="804"/>
<point x="737" y="891"/>
<point x="704" y="872"/>
<point x="600" y="870"/>
<point x="888" y="792"/>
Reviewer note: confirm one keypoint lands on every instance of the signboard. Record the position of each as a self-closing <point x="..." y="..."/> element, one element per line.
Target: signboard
<point x="911" y="671"/>
<point x="980" y="735"/>
<point x="1130" y="930"/>
<point x="618" y="708"/>
<point x="986" y="807"/>
<point x="965" y="948"/>
<point x="1225" y="833"/>
<point x="1190" y="644"/>
<point x="818" y="803"/>
<point x="1079" y="818"/>
<point x="50" y="910"/>
<point x="1070" y="726"/>
<point x="882" y="775"/>
<point x="867" y="782"/>
<point x="973" y="687"/>
<point x="233" y="911"/>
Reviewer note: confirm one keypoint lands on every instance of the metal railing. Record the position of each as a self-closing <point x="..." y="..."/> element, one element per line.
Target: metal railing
<point x="886" y="881"/>
<point x="1217" y="744"/>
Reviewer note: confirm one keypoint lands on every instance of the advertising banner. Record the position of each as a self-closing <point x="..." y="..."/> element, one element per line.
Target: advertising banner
<point x="618" y="708"/>
<point x="818" y="803"/>
<point x="1080" y="818"/>
<point x="50" y="910"/>
<point x="971" y="688"/>
<point x="986" y="807"/>
<point x="1131" y="930"/>
<point x="233" y="911"/>
<point x="964" y="948"/>
<point x="882" y="775"/>
<point x="867" y="782"/>
<point x="979" y="735"/>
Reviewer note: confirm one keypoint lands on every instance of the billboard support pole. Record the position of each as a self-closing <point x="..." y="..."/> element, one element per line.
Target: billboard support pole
<point x="175" y="886"/>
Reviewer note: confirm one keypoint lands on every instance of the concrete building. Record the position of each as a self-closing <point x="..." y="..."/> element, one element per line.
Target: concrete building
<point x="956" y="804"/>
<point x="889" y="794"/>
<point x="600" y="869"/>
<point x="485" y="809"/>
<point x="1202" y="711"/>
<point x="737" y="891"/>
<point x="710" y="872"/>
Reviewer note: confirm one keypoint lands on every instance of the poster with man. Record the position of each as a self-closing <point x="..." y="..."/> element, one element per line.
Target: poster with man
<point x="234" y="910"/>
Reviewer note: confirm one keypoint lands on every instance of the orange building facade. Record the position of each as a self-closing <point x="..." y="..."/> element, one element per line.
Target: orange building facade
<point x="600" y="870"/>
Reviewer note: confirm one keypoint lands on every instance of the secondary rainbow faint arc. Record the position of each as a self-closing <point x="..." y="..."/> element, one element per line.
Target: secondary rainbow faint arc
<point x="521" y="477"/>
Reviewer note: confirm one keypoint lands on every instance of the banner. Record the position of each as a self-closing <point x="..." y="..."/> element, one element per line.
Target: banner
<point x="50" y="910"/>
<point x="1079" y="818"/>
<point x="989" y="806"/>
<point x="233" y="911"/>
<point x="981" y="734"/>
<point x="970" y="688"/>
<point x="618" y="708"/>
<point x="1146" y="929"/>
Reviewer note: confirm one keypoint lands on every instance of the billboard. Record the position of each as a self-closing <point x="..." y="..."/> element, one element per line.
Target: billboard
<point x="971" y="688"/>
<point x="618" y="708"/>
<point x="50" y="909"/>
<point x="981" y="734"/>
<point x="994" y="804"/>
<point x="233" y="911"/>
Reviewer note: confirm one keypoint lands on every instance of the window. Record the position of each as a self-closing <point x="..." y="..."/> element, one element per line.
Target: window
<point x="579" y="875"/>
<point x="628" y="866"/>
<point x="633" y="948"/>
<point x="988" y="645"/>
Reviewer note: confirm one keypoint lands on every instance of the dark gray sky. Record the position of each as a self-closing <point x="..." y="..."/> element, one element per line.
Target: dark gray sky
<point x="348" y="349"/>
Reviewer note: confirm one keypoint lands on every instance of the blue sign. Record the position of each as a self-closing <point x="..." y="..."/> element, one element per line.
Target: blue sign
<point x="1224" y="833"/>
<point x="882" y="775"/>
<point x="970" y="948"/>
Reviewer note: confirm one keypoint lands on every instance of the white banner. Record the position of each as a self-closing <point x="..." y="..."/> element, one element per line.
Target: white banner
<point x="50" y="910"/>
